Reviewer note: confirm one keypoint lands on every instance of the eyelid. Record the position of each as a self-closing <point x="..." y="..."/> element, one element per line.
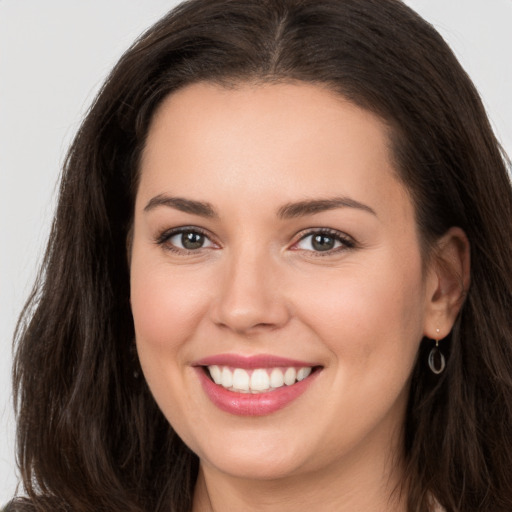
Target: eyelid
<point x="346" y="241"/>
<point x="163" y="238"/>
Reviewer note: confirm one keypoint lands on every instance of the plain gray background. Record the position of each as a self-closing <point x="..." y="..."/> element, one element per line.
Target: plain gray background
<point x="54" y="55"/>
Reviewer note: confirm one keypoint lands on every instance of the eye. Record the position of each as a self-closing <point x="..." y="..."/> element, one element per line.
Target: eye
<point x="185" y="239"/>
<point x="324" y="241"/>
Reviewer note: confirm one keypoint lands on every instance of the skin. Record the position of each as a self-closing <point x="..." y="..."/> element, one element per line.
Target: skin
<point x="258" y="286"/>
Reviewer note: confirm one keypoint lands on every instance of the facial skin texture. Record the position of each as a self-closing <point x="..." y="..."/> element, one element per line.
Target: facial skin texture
<point x="358" y="311"/>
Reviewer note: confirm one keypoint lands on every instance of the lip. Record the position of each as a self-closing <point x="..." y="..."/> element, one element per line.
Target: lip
<point x="251" y="362"/>
<point x="248" y="404"/>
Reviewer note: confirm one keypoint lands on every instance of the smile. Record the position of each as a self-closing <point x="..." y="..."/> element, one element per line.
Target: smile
<point x="254" y="385"/>
<point x="259" y="380"/>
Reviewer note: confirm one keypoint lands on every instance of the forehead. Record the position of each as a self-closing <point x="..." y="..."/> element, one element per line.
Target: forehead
<point x="281" y="141"/>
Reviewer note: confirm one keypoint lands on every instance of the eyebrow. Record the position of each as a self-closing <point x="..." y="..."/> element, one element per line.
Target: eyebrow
<point x="310" y="207"/>
<point x="200" y="208"/>
<point x="287" y="211"/>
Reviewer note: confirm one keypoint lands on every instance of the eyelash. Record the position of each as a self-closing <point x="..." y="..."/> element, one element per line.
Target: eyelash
<point x="164" y="238"/>
<point x="345" y="241"/>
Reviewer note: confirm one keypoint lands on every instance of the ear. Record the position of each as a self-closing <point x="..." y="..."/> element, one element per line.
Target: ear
<point x="448" y="280"/>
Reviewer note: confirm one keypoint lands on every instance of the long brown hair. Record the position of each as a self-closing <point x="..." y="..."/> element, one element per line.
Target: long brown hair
<point x="90" y="436"/>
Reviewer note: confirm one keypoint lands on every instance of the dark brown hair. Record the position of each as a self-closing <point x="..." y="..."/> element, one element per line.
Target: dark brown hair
<point x="90" y="436"/>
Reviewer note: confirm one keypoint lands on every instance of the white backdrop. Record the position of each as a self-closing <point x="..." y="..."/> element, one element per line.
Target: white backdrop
<point x="54" y="54"/>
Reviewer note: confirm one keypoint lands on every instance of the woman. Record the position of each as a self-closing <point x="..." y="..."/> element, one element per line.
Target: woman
<point x="258" y="292"/>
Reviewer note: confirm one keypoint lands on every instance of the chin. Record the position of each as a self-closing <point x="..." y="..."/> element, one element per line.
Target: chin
<point x="253" y="462"/>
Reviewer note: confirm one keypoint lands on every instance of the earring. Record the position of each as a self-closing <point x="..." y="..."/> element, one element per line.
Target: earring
<point x="436" y="360"/>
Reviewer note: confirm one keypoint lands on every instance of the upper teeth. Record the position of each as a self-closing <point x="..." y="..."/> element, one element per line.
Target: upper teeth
<point x="256" y="381"/>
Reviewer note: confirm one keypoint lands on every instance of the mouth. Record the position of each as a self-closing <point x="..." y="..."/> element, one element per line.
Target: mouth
<point x="254" y="385"/>
<point x="258" y="380"/>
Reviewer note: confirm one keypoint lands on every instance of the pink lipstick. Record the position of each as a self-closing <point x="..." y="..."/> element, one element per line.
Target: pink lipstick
<point x="254" y="385"/>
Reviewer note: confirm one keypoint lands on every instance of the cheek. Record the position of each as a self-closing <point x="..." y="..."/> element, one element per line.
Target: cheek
<point x="366" y="313"/>
<point x="372" y="322"/>
<point x="166" y="304"/>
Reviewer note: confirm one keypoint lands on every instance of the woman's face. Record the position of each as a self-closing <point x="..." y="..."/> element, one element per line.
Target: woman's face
<point x="273" y="242"/>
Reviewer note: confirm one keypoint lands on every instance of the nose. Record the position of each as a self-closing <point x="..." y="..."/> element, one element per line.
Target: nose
<point x="251" y="296"/>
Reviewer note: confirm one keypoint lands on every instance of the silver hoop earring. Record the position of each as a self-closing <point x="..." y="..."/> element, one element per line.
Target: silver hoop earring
<point x="436" y="360"/>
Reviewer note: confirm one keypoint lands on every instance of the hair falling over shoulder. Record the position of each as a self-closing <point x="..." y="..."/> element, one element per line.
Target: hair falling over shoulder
<point x="90" y="436"/>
